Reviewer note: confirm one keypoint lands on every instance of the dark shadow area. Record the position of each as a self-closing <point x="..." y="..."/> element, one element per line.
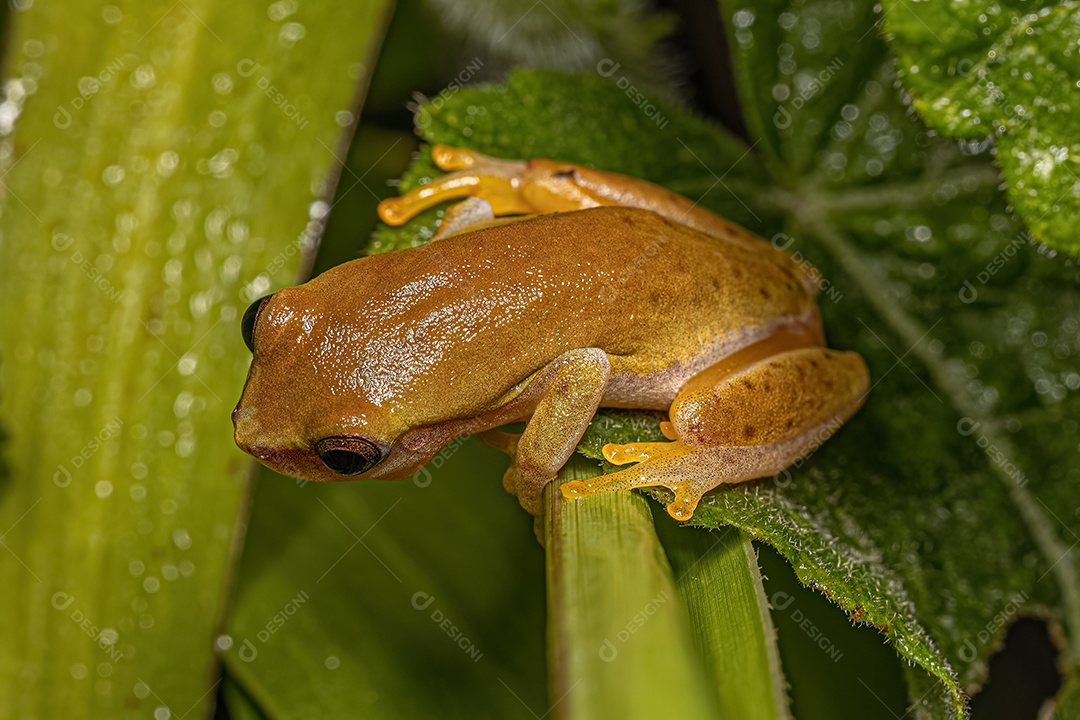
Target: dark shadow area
<point x="1023" y="674"/>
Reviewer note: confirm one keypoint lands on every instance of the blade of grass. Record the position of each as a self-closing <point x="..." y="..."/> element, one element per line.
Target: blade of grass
<point x="618" y="640"/>
<point x="720" y="583"/>
<point x="169" y="163"/>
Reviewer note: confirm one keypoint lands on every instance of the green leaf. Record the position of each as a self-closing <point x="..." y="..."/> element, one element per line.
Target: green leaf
<point x="616" y="620"/>
<point x="720" y="582"/>
<point x="568" y="35"/>
<point x="928" y="515"/>
<point x="419" y="598"/>
<point x="1007" y="71"/>
<point x="160" y="174"/>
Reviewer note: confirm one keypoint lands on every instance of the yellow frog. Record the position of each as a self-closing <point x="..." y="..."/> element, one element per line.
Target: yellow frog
<point x="551" y="290"/>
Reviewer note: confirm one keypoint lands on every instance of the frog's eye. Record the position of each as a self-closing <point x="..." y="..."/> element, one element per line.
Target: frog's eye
<point x="348" y="454"/>
<point x="251" y="317"/>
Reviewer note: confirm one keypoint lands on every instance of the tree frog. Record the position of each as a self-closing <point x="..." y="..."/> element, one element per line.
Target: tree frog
<point x="549" y="290"/>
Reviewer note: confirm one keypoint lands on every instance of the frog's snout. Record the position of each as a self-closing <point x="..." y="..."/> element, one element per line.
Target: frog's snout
<point x="244" y="429"/>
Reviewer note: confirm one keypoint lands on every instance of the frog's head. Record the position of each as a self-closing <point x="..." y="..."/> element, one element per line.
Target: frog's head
<point x="310" y="407"/>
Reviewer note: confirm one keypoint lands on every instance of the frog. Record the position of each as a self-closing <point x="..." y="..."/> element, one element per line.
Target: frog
<point x="549" y="290"/>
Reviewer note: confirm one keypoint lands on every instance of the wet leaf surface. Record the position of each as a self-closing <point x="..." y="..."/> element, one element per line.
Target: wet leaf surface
<point x="929" y="514"/>
<point x="1008" y="71"/>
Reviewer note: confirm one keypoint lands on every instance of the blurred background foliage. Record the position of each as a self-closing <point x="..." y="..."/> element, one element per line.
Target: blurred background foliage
<point x="345" y="596"/>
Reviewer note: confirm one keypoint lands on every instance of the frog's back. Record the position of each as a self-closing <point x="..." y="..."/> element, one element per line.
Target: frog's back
<point x="484" y="309"/>
<point x="630" y="281"/>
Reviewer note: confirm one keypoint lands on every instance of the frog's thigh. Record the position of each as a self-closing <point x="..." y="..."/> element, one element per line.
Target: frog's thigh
<point x="513" y="187"/>
<point x="474" y="176"/>
<point x="570" y="391"/>
<point x="733" y="428"/>
<point x="470" y="215"/>
<point x="771" y="401"/>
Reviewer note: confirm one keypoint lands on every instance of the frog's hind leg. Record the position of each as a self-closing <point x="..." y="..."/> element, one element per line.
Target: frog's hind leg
<point x="668" y="466"/>
<point x="472" y="214"/>
<point x="516" y="187"/>
<point x="473" y="175"/>
<point x="737" y="426"/>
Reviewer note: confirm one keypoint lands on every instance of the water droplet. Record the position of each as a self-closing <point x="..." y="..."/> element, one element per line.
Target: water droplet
<point x="281" y="10"/>
<point x="181" y="538"/>
<point x="103" y="489"/>
<point x="318" y="210"/>
<point x="187" y="364"/>
<point x="112" y="15"/>
<point x="222" y="83"/>
<point x="290" y="33"/>
<point x="743" y="18"/>
<point x="113" y="175"/>
<point x="221" y="165"/>
<point x="143" y="77"/>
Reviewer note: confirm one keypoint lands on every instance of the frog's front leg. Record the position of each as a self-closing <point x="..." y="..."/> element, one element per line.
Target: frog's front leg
<point x="566" y="394"/>
<point x="730" y="428"/>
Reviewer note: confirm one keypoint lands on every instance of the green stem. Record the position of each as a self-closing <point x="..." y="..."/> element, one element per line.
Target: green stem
<point x="628" y="640"/>
<point x="720" y="583"/>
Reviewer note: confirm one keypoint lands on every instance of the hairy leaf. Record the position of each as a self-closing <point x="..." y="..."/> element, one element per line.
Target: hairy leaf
<point x="1008" y="71"/>
<point x="928" y="515"/>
